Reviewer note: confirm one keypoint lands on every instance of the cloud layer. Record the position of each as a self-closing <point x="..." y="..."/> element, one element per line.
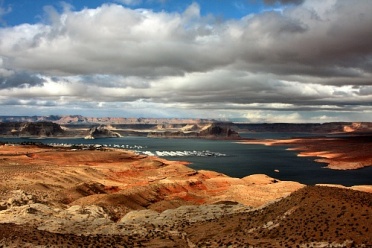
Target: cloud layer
<point x="311" y="59"/>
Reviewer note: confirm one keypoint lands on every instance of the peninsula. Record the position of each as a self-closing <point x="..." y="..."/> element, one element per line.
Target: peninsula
<point x="340" y="153"/>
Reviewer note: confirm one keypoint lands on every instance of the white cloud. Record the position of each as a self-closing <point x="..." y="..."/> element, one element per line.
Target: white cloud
<point x="4" y="11"/>
<point x="260" y="116"/>
<point x="142" y="42"/>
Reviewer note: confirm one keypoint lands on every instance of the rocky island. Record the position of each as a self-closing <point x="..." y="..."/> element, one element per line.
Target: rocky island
<point x="101" y="132"/>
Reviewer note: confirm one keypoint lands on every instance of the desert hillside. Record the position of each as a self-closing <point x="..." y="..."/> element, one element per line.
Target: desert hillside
<point x="113" y="198"/>
<point x="310" y="217"/>
<point x="66" y="176"/>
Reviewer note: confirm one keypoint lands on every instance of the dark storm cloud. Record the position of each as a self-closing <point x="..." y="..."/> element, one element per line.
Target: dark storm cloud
<point x="366" y="91"/>
<point x="115" y="81"/>
<point x="337" y="41"/>
<point x="20" y="80"/>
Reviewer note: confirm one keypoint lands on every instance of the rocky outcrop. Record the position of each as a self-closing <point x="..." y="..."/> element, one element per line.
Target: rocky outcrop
<point x="218" y="130"/>
<point x="94" y="219"/>
<point x="336" y="218"/>
<point x="101" y="132"/>
<point x="18" y="198"/>
<point x="27" y="129"/>
<point x="358" y="127"/>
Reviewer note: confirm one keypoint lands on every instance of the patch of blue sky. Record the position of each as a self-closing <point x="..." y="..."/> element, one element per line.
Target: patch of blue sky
<point x="26" y="11"/>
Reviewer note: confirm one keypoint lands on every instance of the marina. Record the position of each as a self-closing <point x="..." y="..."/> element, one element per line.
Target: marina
<point x="139" y="150"/>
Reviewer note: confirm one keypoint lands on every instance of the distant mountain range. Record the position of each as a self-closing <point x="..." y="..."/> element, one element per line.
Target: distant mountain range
<point x="91" y="127"/>
<point x="77" y="125"/>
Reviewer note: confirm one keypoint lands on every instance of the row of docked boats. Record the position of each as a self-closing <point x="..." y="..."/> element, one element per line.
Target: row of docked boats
<point x="143" y="151"/>
<point x="183" y="153"/>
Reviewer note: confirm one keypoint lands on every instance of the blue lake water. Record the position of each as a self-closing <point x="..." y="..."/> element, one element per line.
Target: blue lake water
<point x="241" y="160"/>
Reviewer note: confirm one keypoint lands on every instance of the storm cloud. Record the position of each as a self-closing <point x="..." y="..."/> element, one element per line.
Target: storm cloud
<point x="19" y="80"/>
<point x="311" y="56"/>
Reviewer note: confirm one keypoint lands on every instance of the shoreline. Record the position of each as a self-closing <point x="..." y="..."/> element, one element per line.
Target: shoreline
<point x="339" y="153"/>
<point x="50" y="169"/>
<point x="324" y="157"/>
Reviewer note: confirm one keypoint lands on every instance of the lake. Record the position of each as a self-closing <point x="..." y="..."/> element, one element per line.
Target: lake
<point x="235" y="160"/>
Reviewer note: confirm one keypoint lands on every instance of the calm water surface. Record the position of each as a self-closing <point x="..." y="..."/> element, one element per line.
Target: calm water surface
<point x="240" y="160"/>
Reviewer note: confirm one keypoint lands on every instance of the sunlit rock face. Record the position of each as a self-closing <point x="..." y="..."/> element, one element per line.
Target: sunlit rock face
<point x="101" y="132"/>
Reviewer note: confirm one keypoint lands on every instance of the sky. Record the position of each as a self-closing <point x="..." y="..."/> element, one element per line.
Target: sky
<point x="242" y="60"/>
